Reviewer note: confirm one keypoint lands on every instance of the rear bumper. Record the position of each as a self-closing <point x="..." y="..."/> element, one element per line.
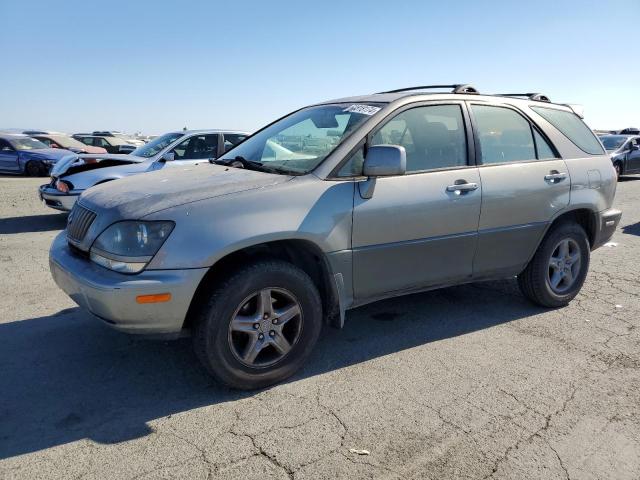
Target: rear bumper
<point x="607" y="222"/>
<point x="58" y="200"/>
<point x="111" y="296"/>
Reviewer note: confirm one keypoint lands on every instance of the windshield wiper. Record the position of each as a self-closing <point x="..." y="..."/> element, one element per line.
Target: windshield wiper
<point x="242" y="162"/>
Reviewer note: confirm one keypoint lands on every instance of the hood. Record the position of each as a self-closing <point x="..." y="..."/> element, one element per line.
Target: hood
<point x="50" y="154"/>
<point x="140" y="195"/>
<point x="90" y="149"/>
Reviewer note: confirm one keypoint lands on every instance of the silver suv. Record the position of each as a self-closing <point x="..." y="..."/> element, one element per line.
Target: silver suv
<point x="337" y="205"/>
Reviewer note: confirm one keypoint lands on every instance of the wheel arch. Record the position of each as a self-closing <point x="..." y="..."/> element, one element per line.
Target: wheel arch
<point x="587" y="218"/>
<point x="304" y="254"/>
<point x="104" y="181"/>
<point x="621" y="162"/>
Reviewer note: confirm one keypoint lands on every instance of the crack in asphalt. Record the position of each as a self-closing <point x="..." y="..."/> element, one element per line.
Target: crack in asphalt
<point x="538" y="433"/>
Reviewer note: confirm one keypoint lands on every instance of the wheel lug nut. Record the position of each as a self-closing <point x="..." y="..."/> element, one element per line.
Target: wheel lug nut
<point x="265" y="316"/>
<point x="256" y="326"/>
<point x="261" y="336"/>
<point x="275" y="321"/>
<point x="272" y="333"/>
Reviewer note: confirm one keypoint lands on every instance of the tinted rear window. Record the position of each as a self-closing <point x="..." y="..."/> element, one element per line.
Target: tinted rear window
<point x="573" y="128"/>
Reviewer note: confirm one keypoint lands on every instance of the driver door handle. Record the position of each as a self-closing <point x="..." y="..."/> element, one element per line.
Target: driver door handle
<point x="460" y="188"/>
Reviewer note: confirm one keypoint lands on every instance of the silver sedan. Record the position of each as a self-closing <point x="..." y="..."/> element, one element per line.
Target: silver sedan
<point x="71" y="177"/>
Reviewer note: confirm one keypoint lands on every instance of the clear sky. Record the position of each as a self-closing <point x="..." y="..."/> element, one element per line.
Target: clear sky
<point x="155" y="66"/>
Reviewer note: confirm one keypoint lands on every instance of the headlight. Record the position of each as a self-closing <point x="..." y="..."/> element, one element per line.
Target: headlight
<point x="129" y="246"/>
<point x="63" y="186"/>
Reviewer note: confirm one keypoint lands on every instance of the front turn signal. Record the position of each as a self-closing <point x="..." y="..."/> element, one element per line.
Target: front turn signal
<point x="155" y="298"/>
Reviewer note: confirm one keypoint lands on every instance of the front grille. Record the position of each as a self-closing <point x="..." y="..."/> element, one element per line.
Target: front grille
<point x="78" y="223"/>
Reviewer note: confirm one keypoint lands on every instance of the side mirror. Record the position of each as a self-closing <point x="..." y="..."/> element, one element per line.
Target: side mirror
<point x="168" y="157"/>
<point x="634" y="147"/>
<point x="385" y="161"/>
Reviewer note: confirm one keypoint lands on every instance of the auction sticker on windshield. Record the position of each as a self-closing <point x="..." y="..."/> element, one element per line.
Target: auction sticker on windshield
<point x="363" y="109"/>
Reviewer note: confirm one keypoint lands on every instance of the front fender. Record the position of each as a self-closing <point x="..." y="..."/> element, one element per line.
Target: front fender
<point x="303" y="209"/>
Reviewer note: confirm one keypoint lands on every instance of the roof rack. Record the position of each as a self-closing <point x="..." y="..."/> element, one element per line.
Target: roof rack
<point x="457" y="88"/>
<point x="537" y="97"/>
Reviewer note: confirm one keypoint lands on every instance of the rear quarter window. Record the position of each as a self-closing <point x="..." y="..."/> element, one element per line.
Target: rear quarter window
<point x="573" y="128"/>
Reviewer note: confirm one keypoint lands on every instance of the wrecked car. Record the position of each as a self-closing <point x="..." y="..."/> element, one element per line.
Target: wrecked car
<point x="71" y="177"/>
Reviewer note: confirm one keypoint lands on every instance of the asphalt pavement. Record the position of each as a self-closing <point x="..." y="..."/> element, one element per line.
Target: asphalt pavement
<point x="464" y="382"/>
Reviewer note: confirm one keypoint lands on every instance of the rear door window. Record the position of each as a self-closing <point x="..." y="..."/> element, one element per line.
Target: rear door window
<point x="505" y="135"/>
<point x="542" y="147"/>
<point x="571" y="127"/>
<point x="232" y="139"/>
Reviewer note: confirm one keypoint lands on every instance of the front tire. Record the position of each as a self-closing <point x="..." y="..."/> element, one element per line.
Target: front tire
<point x="617" y="166"/>
<point x="34" y="168"/>
<point x="559" y="267"/>
<point x="259" y="325"/>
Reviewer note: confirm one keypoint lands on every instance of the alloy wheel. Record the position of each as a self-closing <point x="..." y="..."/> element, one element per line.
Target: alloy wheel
<point x="265" y="327"/>
<point x="564" y="265"/>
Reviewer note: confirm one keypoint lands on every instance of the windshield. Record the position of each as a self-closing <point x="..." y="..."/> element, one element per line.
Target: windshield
<point x="26" y="144"/>
<point x="613" y="142"/>
<point x="301" y="141"/>
<point x="67" y="142"/>
<point x="156" y="145"/>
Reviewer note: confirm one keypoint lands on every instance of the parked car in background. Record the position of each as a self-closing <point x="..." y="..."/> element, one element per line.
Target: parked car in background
<point x="67" y="142"/>
<point x="175" y="149"/>
<point x="22" y="154"/>
<point x="629" y="131"/>
<point x="254" y="254"/>
<point x="624" y="151"/>
<point x="110" y="144"/>
<point x="114" y="133"/>
<point x="35" y="132"/>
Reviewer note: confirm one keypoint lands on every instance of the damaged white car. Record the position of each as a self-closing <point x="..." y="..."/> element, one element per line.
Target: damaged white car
<point x="77" y="173"/>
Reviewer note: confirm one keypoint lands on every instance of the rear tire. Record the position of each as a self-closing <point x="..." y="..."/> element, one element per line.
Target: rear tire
<point x="559" y="267"/>
<point x="259" y="325"/>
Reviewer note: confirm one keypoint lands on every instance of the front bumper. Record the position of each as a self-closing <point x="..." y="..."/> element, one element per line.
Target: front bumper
<point x="606" y="224"/>
<point x="56" y="199"/>
<point x="111" y="296"/>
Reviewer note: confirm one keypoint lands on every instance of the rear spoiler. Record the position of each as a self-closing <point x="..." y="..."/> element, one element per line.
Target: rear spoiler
<point x="577" y="109"/>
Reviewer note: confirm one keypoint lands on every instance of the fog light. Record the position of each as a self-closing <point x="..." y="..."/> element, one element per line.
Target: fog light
<point x="118" y="265"/>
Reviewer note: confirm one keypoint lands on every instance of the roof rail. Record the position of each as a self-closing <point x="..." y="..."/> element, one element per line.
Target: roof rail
<point x="456" y="88"/>
<point x="537" y="97"/>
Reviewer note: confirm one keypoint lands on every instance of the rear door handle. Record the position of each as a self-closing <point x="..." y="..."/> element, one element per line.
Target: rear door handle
<point x="555" y="177"/>
<point x="460" y="188"/>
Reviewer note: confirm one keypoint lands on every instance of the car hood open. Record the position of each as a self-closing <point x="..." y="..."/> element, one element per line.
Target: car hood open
<point x="79" y="163"/>
<point x="140" y="195"/>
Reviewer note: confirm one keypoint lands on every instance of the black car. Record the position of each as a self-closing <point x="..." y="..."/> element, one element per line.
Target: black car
<point x="624" y="151"/>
